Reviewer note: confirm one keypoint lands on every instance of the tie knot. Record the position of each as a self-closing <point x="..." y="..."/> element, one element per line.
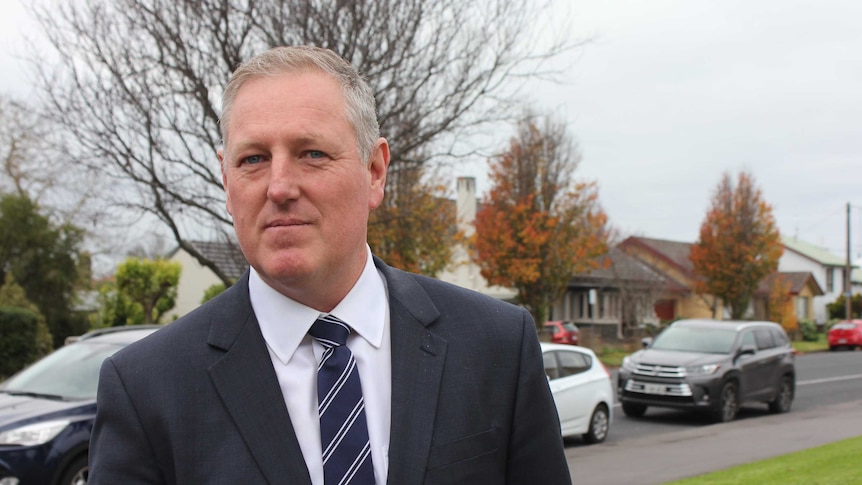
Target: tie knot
<point x="330" y="331"/>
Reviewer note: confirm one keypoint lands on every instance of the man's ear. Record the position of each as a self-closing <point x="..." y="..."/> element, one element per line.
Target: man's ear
<point x="378" y="164"/>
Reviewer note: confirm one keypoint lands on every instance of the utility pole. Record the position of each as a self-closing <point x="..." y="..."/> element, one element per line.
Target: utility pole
<point x="847" y="291"/>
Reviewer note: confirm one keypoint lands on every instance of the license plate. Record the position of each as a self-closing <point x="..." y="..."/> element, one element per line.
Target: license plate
<point x="655" y="389"/>
<point x="842" y="341"/>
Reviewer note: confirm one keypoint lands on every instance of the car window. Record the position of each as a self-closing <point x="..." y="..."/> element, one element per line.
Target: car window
<point x="71" y="371"/>
<point x="570" y="327"/>
<point x="844" y="326"/>
<point x="748" y="339"/>
<point x="779" y="337"/>
<point x="763" y="337"/>
<point x="696" y="339"/>
<point x="551" y="368"/>
<point x="573" y="362"/>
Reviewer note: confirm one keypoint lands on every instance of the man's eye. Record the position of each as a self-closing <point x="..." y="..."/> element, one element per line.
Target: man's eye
<point x="316" y="154"/>
<point x="252" y="159"/>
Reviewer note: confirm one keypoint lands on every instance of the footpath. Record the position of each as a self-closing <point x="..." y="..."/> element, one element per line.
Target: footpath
<point x="658" y="459"/>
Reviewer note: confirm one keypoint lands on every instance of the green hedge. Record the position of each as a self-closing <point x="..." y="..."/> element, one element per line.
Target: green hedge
<point x="808" y="331"/>
<point x="18" y="344"/>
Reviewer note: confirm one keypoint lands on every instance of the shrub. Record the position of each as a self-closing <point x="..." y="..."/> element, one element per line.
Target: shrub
<point x="19" y="345"/>
<point x="808" y="331"/>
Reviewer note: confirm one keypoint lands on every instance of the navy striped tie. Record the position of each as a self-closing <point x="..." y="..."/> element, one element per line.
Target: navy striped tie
<point x="343" y="429"/>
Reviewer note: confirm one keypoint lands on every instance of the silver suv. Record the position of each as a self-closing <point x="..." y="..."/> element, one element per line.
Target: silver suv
<point x="711" y="366"/>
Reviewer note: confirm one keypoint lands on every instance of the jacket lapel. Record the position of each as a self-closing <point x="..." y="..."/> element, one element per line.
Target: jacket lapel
<point x="247" y="384"/>
<point x="417" y="367"/>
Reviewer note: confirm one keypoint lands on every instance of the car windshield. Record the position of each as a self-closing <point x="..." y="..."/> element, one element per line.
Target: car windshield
<point x="570" y="327"/>
<point x="71" y="372"/>
<point x="844" y="326"/>
<point x="695" y="339"/>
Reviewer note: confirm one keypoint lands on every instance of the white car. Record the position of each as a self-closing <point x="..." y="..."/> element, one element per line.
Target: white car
<point x="582" y="390"/>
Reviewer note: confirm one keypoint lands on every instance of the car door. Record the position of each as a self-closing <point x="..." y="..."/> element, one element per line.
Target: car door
<point x="570" y="384"/>
<point x="761" y="368"/>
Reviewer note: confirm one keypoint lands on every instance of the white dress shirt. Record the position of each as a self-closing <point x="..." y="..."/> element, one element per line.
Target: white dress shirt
<point x="295" y="355"/>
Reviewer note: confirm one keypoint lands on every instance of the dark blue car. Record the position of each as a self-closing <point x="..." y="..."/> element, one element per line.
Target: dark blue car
<point x="47" y="410"/>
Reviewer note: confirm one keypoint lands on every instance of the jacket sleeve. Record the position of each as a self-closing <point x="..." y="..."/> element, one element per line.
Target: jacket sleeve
<point x="536" y="452"/>
<point x="120" y="451"/>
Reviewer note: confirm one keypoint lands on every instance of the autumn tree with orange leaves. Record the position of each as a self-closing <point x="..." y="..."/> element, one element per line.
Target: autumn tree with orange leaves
<point x="537" y="227"/>
<point x="739" y="244"/>
<point x="413" y="229"/>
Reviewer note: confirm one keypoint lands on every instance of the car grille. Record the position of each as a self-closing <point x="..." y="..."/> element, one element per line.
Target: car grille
<point x="659" y="371"/>
<point x="675" y="389"/>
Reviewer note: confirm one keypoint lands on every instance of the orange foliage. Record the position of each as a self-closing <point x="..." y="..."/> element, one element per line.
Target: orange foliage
<point x="739" y="244"/>
<point x="535" y="229"/>
<point x="413" y="229"/>
<point x="780" y="304"/>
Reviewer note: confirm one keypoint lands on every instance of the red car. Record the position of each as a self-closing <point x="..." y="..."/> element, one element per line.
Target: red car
<point x="846" y="334"/>
<point x="563" y="332"/>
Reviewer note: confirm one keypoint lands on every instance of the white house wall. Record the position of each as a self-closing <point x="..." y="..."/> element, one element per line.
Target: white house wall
<point x="791" y="261"/>
<point x="194" y="281"/>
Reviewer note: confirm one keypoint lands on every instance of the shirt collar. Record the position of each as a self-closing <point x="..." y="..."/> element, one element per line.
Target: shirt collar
<point x="285" y="322"/>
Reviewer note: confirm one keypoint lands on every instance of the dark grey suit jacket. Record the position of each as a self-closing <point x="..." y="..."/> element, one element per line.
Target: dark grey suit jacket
<point x="198" y="402"/>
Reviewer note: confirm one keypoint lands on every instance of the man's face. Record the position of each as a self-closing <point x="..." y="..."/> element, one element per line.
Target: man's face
<point x="296" y="188"/>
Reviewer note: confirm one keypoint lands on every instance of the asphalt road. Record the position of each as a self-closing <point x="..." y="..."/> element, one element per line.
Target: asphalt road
<point x="667" y="445"/>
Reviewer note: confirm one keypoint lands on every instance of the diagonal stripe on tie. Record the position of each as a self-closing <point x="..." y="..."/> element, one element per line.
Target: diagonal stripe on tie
<point x="341" y="408"/>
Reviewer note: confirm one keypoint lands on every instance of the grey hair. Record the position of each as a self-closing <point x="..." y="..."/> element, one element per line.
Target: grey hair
<point x="359" y="102"/>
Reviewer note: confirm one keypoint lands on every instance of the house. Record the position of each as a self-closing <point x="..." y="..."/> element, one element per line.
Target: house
<point x="679" y="300"/>
<point x="828" y="270"/>
<point x="195" y="278"/>
<point x="802" y="289"/>
<point x="671" y="259"/>
<point x="462" y="271"/>
<point x="612" y="299"/>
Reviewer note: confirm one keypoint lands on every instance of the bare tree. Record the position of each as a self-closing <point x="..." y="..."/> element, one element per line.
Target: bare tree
<point x="136" y="84"/>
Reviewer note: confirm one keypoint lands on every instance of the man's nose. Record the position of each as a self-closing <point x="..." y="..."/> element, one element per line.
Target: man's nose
<point x="285" y="179"/>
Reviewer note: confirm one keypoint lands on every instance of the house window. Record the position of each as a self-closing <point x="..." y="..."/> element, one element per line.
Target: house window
<point x="802" y="305"/>
<point x="830" y="280"/>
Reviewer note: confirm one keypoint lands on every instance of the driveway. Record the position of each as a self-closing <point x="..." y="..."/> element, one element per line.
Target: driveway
<point x="665" y="457"/>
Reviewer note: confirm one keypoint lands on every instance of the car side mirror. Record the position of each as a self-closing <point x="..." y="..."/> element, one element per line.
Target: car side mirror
<point x="746" y="350"/>
<point x="646" y="342"/>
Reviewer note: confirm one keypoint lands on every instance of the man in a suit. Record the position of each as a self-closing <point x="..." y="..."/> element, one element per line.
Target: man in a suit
<point x="442" y="385"/>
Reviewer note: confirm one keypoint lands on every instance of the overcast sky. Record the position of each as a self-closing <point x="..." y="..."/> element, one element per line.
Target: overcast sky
<point x="670" y="94"/>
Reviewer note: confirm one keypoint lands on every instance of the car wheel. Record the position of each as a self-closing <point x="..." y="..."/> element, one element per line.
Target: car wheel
<point x="634" y="410"/>
<point x="599" y="425"/>
<point x="76" y="473"/>
<point x="784" y="398"/>
<point x="728" y="404"/>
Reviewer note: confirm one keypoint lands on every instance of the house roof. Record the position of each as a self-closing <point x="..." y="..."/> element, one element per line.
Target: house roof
<point x="812" y="252"/>
<point x="619" y="268"/>
<point x="673" y="252"/>
<point x="227" y="256"/>
<point x="798" y="281"/>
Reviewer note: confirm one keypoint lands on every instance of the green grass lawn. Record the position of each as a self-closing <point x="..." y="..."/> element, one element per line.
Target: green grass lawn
<point x="821" y="344"/>
<point x="833" y="464"/>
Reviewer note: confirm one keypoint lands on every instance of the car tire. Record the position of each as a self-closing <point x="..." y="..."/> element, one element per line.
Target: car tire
<point x="784" y="397"/>
<point x="728" y="403"/>
<point x="599" y="425"/>
<point x="76" y="473"/>
<point x="634" y="410"/>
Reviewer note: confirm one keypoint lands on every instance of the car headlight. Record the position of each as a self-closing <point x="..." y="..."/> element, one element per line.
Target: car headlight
<point x="33" y="434"/>
<point x="629" y="364"/>
<point x="702" y="370"/>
